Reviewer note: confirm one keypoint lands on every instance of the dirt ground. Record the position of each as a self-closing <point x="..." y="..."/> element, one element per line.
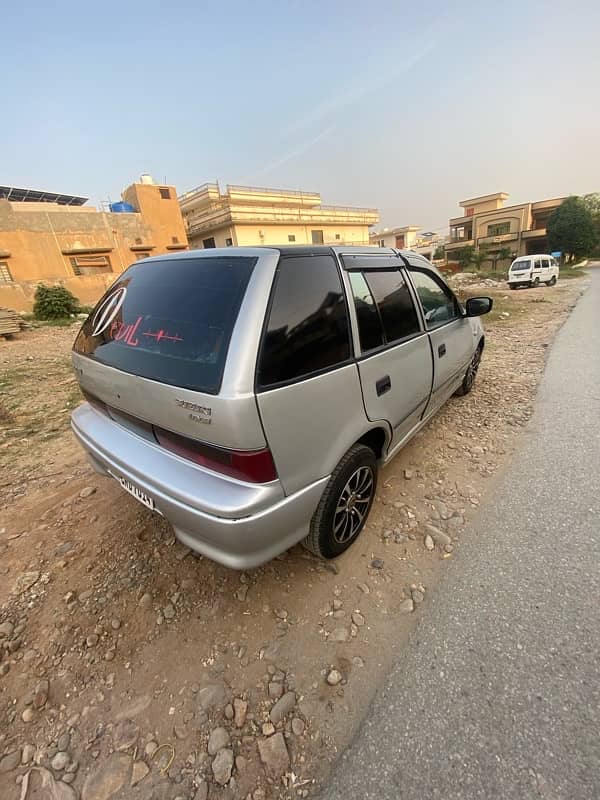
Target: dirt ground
<point x="115" y="640"/>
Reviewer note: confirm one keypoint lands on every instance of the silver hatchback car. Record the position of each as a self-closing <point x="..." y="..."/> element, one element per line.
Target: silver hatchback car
<point x="249" y="394"/>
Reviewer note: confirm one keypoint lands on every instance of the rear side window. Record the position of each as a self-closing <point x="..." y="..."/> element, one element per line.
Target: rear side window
<point x="307" y="326"/>
<point x="170" y="320"/>
<point x="370" y="331"/>
<point x="394" y="302"/>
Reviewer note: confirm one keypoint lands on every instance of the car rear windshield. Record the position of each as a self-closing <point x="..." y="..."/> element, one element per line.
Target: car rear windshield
<point x="526" y="264"/>
<point x="170" y="320"/>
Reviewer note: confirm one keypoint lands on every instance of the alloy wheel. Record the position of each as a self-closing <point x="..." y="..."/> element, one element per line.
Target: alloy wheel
<point x="353" y="505"/>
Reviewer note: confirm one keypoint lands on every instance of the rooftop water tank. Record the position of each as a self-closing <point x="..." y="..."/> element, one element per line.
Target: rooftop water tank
<point x="122" y="208"/>
<point x="145" y="178"/>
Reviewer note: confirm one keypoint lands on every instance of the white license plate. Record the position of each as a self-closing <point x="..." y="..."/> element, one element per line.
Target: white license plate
<point x="137" y="493"/>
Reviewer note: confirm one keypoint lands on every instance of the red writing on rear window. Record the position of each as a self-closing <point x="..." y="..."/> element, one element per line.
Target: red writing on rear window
<point x="129" y="334"/>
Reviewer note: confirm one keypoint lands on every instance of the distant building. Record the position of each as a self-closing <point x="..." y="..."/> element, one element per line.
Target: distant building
<point x="247" y="215"/>
<point x="487" y="221"/>
<point x="408" y="238"/>
<point x="56" y="238"/>
<point x="403" y="238"/>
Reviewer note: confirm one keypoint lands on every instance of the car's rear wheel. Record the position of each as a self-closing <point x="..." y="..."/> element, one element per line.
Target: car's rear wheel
<point x="552" y="281"/>
<point x="470" y="374"/>
<point x="345" y="504"/>
<point x="513" y="285"/>
<point x="536" y="283"/>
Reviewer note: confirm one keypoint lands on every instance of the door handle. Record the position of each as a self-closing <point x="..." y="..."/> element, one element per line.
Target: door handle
<point x="383" y="385"/>
<point x="442" y="350"/>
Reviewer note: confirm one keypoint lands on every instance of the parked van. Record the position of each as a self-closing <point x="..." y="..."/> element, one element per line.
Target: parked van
<point x="533" y="270"/>
<point x="249" y="395"/>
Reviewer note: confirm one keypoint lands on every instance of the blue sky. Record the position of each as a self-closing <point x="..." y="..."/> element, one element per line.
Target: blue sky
<point x="409" y="107"/>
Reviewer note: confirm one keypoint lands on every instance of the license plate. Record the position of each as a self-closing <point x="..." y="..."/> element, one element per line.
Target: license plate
<point x="137" y="493"/>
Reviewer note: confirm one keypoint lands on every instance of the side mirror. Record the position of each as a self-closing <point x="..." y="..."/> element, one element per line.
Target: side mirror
<point x="478" y="306"/>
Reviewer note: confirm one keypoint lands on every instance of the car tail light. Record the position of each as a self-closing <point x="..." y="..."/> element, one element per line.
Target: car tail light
<point x="256" y="466"/>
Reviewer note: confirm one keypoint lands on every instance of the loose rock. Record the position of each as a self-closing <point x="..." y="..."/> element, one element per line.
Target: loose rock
<point x="334" y="677"/>
<point x="377" y="563"/>
<point x="10" y="761"/>
<point x="218" y="739"/>
<point x="222" y="766"/>
<point x="282" y="707"/>
<point x="406" y="606"/>
<point x="358" y="619"/>
<point x="240" y="711"/>
<point x="87" y="492"/>
<point x="108" y="778"/>
<point x="60" y="761"/>
<point x="125" y="734"/>
<point x="138" y="772"/>
<point x="274" y="755"/>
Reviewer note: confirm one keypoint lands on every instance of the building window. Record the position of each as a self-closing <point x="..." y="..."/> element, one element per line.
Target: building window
<point x="208" y="243"/>
<point x="381" y="243"/>
<point x="5" y="276"/>
<point x="90" y="264"/>
<point x="228" y="242"/>
<point x="165" y="193"/>
<point x="174" y="240"/>
<point x="317" y="237"/>
<point x="291" y="237"/>
<point x="142" y="255"/>
<point x="138" y="240"/>
<point x="337" y="236"/>
<point x="498" y="229"/>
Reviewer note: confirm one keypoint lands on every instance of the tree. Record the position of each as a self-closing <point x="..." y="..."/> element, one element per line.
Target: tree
<point x="465" y="256"/>
<point x="479" y="257"/>
<point x="500" y="255"/>
<point x="592" y="203"/>
<point x="439" y="253"/>
<point x="571" y="230"/>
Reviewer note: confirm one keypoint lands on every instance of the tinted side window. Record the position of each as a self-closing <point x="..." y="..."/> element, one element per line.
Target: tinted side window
<point x="369" y="323"/>
<point x="545" y="263"/>
<point x="307" y="329"/>
<point x="439" y="304"/>
<point x="397" y="310"/>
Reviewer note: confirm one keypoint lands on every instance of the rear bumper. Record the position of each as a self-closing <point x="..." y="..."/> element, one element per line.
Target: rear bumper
<point x="237" y="524"/>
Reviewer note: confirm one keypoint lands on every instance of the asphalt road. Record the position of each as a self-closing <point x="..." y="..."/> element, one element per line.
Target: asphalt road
<point x="497" y="694"/>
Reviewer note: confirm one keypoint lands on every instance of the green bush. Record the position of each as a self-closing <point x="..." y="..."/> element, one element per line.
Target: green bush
<point x="54" y="302"/>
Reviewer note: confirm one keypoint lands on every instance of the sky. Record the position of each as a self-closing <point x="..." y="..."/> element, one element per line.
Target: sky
<point x="406" y="107"/>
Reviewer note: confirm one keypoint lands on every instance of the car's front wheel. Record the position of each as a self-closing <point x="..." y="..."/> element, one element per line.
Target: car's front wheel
<point x="345" y="504"/>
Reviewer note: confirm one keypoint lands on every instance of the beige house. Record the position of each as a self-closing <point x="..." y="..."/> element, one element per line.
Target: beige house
<point x="247" y="215"/>
<point x="487" y="221"/>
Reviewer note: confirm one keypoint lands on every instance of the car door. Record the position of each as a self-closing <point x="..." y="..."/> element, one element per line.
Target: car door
<point x="451" y="335"/>
<point x="393" y="351"/>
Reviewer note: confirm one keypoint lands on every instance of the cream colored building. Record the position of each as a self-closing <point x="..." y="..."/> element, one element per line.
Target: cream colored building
<point x="487" y="221"/>
<point x="404" y="238"/>
<point x="248" y="215"/>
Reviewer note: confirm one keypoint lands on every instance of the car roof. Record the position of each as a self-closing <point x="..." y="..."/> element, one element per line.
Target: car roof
<point x="297" y="250"/>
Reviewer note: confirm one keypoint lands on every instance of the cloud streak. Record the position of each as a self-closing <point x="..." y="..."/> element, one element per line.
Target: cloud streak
<point x="296" y="152"/>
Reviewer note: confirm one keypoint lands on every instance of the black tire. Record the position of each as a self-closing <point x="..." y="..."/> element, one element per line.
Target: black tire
<point x="513" y="285"/>
<point x="536" y="283"/>
<point x="357" y="469"/>
<point x="552" y="281"/>
<point x="470" y="374"/>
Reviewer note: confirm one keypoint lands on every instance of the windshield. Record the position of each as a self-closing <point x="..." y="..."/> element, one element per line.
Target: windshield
<point x="525" y="264"/>
<point x="170" y="320"/>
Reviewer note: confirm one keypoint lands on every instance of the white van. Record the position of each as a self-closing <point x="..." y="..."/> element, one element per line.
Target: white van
<point x="533" y="270"/>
